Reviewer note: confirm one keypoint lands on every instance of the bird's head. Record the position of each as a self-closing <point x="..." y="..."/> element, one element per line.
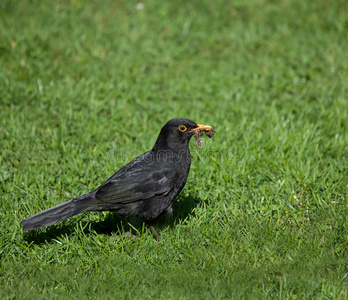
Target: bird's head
<point x="176" y="134"/>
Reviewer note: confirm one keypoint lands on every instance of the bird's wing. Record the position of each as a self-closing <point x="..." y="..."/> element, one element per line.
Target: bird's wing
<point x="138" y="161"/>
<point x="142" y="181"/>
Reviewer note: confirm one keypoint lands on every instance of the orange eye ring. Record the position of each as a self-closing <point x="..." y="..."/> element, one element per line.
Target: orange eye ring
<point x="182" y="128"/>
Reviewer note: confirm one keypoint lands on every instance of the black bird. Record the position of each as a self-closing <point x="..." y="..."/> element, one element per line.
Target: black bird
<point x="145" y="187"/>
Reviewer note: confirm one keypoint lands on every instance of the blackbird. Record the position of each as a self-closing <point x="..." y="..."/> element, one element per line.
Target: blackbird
<point x="144" y="188"/>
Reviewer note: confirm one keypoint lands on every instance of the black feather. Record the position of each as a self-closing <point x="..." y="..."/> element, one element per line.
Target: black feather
<point x="143" y="188"/>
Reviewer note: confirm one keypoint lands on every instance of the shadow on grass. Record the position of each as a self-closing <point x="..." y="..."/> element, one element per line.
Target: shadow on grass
<point x="113" y="224"/>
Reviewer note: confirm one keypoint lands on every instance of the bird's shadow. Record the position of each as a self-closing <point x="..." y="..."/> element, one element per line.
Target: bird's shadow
<point x="113" y="224"/>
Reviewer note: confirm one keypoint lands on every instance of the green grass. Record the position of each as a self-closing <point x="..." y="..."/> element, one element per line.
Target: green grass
<point x="86" y="86"/>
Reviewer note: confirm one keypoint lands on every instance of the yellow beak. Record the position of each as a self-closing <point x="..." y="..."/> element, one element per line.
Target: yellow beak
<point x="202" y="127"/>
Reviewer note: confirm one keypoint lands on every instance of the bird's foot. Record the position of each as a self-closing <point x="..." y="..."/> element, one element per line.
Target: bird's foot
<point x="155" y="234"/>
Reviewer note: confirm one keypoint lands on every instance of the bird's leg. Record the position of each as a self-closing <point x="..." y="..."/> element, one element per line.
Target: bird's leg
<point x="169" y="215"/>
<point x="154" y="232"/>
<point x="128" y="233"/>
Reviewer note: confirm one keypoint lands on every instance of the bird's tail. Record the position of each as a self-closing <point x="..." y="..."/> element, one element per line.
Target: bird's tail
<point x="57" y="213"/>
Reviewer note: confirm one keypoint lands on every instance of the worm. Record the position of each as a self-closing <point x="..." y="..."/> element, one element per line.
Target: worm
<point x="210" y="133"/>
<point x="197" y="133"/>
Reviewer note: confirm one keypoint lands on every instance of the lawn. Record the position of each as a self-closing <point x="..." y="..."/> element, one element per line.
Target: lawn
<point x="85" y="87"/>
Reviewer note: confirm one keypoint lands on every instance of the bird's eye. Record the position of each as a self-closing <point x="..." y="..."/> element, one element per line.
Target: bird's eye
<point x="182" y="128"/>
